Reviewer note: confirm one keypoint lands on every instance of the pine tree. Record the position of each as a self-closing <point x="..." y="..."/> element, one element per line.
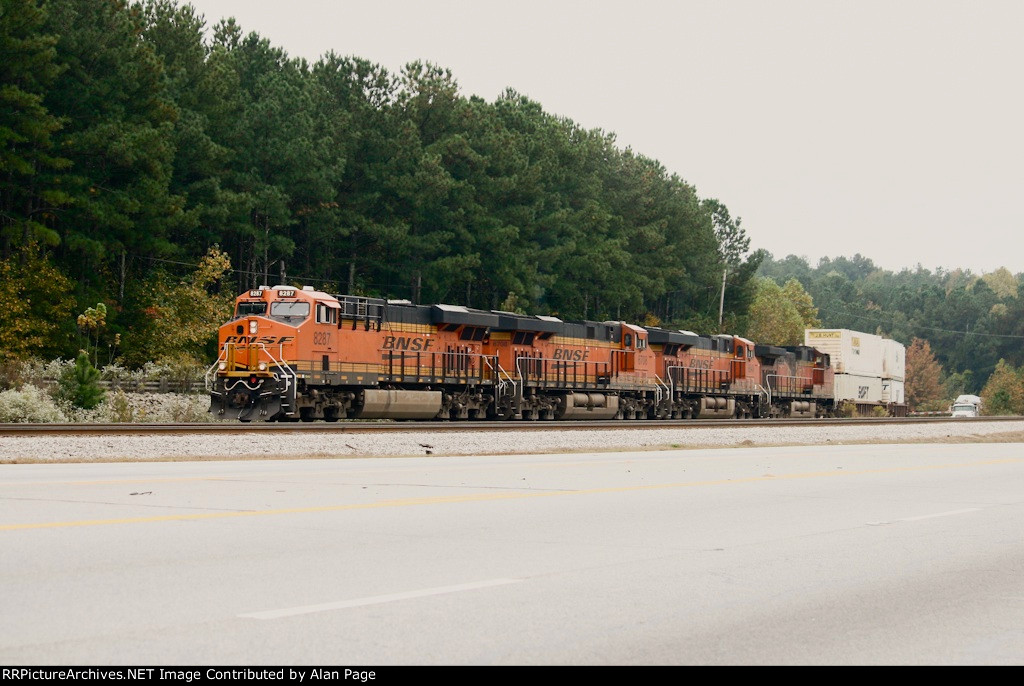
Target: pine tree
<point x="87" y="392"/>
<point x="29" y="193"/>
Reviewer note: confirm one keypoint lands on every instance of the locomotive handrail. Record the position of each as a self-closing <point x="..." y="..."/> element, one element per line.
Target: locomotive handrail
<point x="289" y="378"/>
<point x="701" y="370"/>
<point x="566" y="363"/>
<point x="769" y="377"/>
<point x="767" y="393"/>
<point x="457" y="355"/>
<point x="289" y="374"/>
<point x="498" y="370"/>
<point x="661" y="384"/>
<point x="206" y="377"/>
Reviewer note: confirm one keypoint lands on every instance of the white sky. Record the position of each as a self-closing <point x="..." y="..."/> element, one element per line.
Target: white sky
<point x="889" y="128"/>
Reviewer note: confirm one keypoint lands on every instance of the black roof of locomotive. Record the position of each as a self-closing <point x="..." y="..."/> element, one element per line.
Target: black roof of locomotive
<point x="769" y="351"/>
<point x="595" y="331"/>
<point x="510" y="321"/>
<point x="687" y="339"/>
<point x="407" y="313"/>
<point x="802" y="352"/>
<point x="456" y="314"/>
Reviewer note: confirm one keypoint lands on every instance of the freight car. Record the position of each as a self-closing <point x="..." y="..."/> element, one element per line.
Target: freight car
<point x="869" y="369"/>
<point x="300" y="354"/>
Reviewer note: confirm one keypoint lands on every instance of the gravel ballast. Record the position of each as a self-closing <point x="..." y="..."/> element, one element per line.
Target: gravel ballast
<point x="93" y="448"/>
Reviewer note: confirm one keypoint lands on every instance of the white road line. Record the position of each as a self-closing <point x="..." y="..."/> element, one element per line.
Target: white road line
<point x="930" y="516"/>
<point x="940" y="514"/>
<point x="375" y="600"/>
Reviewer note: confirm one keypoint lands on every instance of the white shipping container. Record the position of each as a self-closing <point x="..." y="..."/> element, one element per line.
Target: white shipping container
<point x="894" y="359"/>
<point x="893" y="391"/>
<point x="861" y="389"/>
<point x="851" y="352"/>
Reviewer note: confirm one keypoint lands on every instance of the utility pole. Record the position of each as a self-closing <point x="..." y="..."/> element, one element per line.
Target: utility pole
<point x="721" y="301"/>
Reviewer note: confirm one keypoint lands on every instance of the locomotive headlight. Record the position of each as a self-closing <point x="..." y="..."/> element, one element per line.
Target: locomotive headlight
<point x="252" y="326"/>
<point x="222" y="366"/>
<point x="262" y="366"/>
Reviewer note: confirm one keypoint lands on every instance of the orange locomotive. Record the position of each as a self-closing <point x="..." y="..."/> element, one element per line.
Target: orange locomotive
<point x="291" y="354"/>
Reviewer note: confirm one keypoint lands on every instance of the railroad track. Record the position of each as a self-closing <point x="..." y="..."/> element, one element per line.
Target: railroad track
<point x="460" y="426"/>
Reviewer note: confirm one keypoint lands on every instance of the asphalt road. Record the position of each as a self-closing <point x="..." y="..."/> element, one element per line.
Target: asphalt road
<point x="873" y="554"/>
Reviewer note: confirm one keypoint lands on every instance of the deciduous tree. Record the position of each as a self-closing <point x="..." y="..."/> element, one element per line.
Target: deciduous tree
<point x="1004" y="392"/>
<point x="924" y="389"/>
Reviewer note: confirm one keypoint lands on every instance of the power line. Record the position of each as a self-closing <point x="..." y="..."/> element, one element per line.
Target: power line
<point x="240" y="271"/>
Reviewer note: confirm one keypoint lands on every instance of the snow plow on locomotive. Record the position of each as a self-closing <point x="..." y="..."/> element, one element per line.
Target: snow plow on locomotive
<point x="300" y="354"/>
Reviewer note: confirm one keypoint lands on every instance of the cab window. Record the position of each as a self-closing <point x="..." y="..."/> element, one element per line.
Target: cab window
<point x="628" y="340"/>
<point x="249" y="309"/>
<point x="289" y="312"/>
<point x="325" y="314"/>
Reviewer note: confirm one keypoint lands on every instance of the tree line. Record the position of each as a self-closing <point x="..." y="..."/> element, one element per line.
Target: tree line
<point x="137" y="142"/>
<point x="964" y="332"/>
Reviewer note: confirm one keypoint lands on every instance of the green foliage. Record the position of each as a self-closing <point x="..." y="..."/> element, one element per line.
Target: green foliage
<point x="173" y="138"/>
<point x="92" y="322"/>
<point x="780" y="315"/>
<point x="959" y="383"/>
<point x="1002" y="282"/>
<point x="35" y="305"/>
<point x="1004" y="392"/>
<point x="80" y="385"/>
<point x="969" y="322"/>
<point x="30" y="191"/>
<point x="181" y="317"/>
<point x="793" y="291"/>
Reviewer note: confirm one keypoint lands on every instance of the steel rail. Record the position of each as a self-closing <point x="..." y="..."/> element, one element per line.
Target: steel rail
<point x="463" y="425"/>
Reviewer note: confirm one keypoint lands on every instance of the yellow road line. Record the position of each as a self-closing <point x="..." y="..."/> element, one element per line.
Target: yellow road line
<point x="487" y="497"/>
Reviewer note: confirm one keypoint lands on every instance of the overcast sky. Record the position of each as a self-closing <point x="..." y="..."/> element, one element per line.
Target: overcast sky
<point x="892" y="129"/>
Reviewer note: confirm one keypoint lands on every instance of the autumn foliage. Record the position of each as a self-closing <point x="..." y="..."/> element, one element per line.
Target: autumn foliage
<point x="924" y="389"/>
<point x="35" y="305"/>
<point x="1004" y="392"/>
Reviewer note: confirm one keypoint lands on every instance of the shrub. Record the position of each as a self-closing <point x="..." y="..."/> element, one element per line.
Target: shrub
<point x="181" y="371"/>
<point x="79" y="386"/>
<point x="186" y="409"/>
<point x="118" y="376"/>
<point x="12" y="374"/>
<point x="29" y="404"/>
<point x="846" y="409"/>
<point x="119" y="408"/>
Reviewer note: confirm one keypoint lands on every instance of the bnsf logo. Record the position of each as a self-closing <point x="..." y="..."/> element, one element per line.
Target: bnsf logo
<point x="407" y="343"/>
<point x="573" y="355"/>
<point x="265" y="340"/>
